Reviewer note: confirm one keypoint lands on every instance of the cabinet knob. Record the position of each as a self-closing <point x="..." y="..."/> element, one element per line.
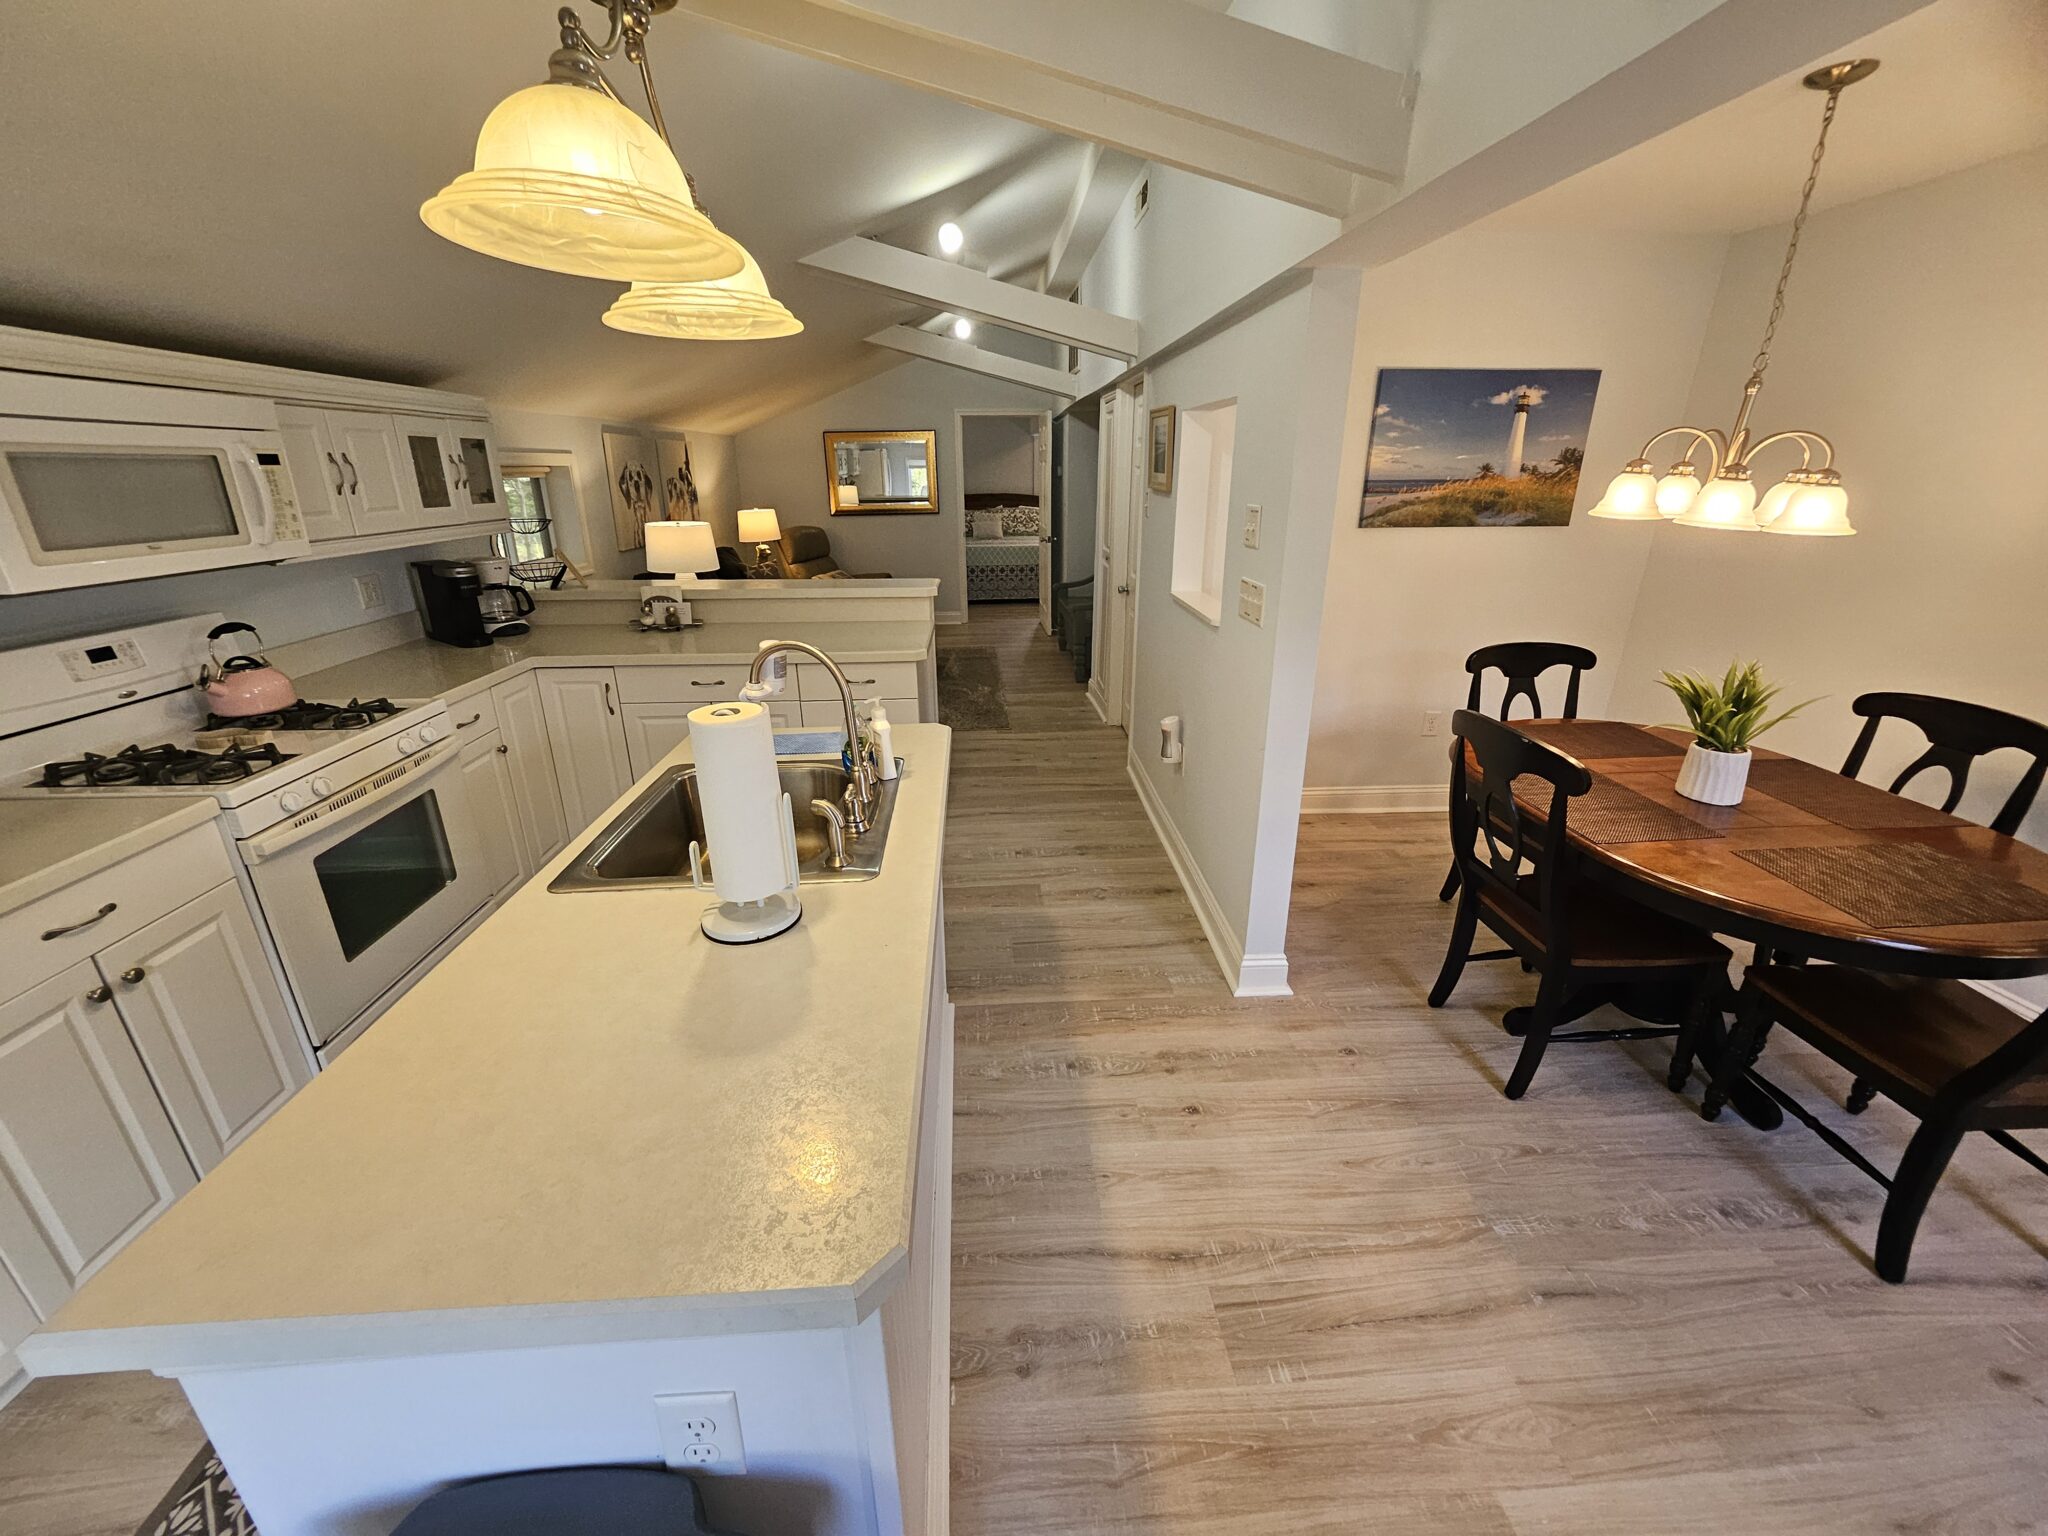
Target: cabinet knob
<point x="99" y="994"/>
<point x="133" y="974"/>
<point x="502" y="748"/>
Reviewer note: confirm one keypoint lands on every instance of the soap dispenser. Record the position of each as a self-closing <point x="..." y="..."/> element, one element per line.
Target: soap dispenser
<point x="885" y="745"/>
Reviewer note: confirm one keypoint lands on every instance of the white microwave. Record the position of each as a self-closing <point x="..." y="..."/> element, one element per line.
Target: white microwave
<point x="103" y="482"/>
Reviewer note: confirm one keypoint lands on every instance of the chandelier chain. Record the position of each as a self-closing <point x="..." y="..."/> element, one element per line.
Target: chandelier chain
<point x="1762" y="360"/>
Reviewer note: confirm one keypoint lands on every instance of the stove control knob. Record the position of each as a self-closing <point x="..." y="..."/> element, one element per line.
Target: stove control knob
<point x="290" y="801"/>
<point x="408" y="742"/>
<point x="429" y="734"/>
<point x="322" y="786"/>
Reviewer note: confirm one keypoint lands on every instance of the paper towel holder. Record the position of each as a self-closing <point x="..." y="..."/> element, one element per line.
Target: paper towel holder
<point x="749" y="922"/>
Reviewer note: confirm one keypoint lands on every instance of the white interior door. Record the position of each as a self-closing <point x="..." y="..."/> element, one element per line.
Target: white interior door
<point x="1119" y="498"/>
<point x="1042" y="473"/>
<point x="1132" y="543"/>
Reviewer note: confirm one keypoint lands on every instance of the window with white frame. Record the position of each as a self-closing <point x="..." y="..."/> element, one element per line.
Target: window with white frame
<point x="1201" y="506"/>
<point x="529" y="532"/>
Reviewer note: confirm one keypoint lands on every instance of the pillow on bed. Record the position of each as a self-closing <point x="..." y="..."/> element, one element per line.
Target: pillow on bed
<point x="988" y="524"/>
<point x="1020" y="520"/>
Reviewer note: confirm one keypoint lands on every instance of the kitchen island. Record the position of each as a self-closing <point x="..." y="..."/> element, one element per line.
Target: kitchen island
<point x="590" y="1160"/>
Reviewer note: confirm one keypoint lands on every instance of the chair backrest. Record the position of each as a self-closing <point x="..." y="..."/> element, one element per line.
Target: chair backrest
<point x="1957" y="735"/>
<point x="1520" y="661"/>
<point x="806" y="551"/>
<point x="1490" y="835"/>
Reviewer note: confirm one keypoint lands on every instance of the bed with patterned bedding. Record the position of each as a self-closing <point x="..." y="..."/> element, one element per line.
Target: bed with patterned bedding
<point x="1003" y="546"/>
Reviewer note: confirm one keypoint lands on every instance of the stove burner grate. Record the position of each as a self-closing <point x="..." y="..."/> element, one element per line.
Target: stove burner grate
<point x="309" y="716"/>
<point x="159" y="765"/>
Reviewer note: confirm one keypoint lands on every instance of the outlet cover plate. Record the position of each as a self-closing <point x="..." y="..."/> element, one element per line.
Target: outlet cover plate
<point x="369" y="592"/>
<point x="1254" y="515"/>
<point x="700" y="1432"/>
<point x="1251" y="601"/>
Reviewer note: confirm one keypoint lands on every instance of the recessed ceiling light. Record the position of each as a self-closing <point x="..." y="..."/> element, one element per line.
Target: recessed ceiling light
<point x="951" y="239"/>
<point x="963" y="328"/>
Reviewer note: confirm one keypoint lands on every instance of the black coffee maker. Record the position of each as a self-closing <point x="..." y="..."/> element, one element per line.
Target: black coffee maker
<point x="447" y="592"/>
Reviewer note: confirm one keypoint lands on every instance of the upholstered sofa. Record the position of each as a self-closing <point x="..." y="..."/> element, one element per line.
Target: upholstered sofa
<point x="807" y="552"/>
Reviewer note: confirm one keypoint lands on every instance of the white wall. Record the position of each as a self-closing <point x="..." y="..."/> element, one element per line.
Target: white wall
<point x="1914" y="337"/>
<point x="782" y="465"/>
<point x="1081" y="439"/>
<point x="1406" y="605"/>
<point x="1002" y="455"/>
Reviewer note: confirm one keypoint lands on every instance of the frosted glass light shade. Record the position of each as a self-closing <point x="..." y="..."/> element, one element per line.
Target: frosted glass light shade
<point x="569" y="180"/>
<point x="734" y="308"/>
<point x="1816" y="511"/>
<point x="1677" y="490"/>
<point x="681" y="548"/>
<point x="759" y="525"/>
<point x="1631" y="498"/>
<point x="1778" y="495"/>
<point x="1727" y="501"/>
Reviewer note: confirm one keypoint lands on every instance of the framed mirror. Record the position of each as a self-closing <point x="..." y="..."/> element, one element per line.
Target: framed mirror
<point x="881" y="473"/>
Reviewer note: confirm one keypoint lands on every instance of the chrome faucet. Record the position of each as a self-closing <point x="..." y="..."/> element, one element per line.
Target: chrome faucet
<point x="764" y="682"/>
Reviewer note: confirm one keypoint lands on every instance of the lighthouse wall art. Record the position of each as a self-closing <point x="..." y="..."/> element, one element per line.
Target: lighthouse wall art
<point x="1476" y="447"/>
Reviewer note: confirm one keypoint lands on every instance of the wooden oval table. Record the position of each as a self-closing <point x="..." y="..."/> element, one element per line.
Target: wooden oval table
<point x="1810" y="863"/>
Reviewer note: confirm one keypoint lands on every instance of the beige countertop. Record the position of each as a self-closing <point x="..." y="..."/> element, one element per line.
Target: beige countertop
<point x="47" y="842"/>
<point x="589" y="1122"/>
<point x="423" y="669"/>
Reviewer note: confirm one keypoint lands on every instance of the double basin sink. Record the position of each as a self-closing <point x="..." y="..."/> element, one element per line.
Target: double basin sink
<point x="648" y="843"/>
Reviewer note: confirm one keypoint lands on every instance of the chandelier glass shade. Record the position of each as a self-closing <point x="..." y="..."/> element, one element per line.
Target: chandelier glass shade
<point x="1809" y="500"/>
<point x="735" y="308"/>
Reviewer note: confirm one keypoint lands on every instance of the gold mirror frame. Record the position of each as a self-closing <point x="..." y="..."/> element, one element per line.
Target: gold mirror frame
<point x="841" y="508"/>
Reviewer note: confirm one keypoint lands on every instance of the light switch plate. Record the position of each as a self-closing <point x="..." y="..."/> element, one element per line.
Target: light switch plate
<point x="1253" y="516"/>
<point x="700" y="1432"/>
<point x="369" y="592"/>
<point x="1251" y="601"/>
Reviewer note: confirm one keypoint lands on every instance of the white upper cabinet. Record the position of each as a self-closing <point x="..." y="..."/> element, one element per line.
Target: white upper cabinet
<point x="427" y="451"/>
<point x="317" y="476"/>
<point x="345" y="468"/>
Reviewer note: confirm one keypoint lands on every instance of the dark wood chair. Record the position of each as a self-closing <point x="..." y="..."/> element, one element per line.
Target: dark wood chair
<point x="1591" y="945"/>
<point x="1957" y="735"/>
<point x="1521" y="662"/>
<point x="1939" y="1049"/>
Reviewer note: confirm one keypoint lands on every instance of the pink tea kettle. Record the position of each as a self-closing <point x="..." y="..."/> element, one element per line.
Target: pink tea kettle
<point x="244" y="684"/>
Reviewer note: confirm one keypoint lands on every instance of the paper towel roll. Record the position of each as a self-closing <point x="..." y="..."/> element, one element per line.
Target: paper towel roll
<point x="734" y="745"/>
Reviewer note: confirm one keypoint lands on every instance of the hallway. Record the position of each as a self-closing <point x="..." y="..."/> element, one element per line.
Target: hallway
<point x="1295" y="1265"/>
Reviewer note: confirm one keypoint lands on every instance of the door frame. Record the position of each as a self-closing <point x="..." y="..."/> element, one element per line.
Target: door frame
<point x="1119" y="524"/>
<point x="1041" y="470"/>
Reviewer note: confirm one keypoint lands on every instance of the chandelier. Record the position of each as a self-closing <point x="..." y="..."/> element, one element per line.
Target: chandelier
<point x="1810" y="499"/>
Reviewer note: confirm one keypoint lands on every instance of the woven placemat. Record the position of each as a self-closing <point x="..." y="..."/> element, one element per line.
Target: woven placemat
<point x="1843" y="801"/>
<point x="1903" y="885"/>
<point x="1599" y="738"/>
<point x="1614" y="813"/>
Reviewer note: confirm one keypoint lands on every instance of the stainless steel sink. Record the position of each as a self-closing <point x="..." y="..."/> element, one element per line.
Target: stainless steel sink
<point x="648" y="843"/>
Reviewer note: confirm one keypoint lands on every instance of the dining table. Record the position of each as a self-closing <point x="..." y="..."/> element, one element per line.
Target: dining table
<point x="1809" y="864"/>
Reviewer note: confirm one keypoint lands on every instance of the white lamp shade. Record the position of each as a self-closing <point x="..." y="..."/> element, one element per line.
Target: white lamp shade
<point x="1726" y="502"/>
<point x="849" y="495"/>
<point x="569" y="180"/>
<point x="1677" y="491"/>
<point x="735" y="308"/>
<point x="1816" y="511"/>
<point x="1631" y="498"/>
<point x="1776" y="497"/>
<point x="759" y="525"/>
<point x="681" y="548"/>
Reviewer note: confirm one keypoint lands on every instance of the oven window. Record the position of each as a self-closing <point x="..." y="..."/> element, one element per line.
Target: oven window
<point x="114" y="500"/>
<point x="376" y="879"/>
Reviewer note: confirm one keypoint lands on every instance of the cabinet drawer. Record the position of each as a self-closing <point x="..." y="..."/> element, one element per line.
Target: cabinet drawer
<point x="474" y="717"/>
<point x="692" y="683"/>
<point x="869" y="679"/>
<point x="139" y="889"/>
<point x="832" y="717"/>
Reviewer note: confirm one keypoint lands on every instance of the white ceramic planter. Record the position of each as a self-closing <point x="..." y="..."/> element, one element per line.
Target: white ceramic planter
<point x="1713" y="778"/>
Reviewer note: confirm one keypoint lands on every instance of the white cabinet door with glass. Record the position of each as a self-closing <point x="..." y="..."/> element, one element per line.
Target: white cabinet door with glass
<point x="587" y="740"/>
<point x="453" y="469"/>
<point x="204" y="1008"/>
<point x="530" y="768"/>
<point x="487" y="772"/>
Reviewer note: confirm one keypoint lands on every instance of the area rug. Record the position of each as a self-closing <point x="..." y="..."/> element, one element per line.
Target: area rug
<point x="202" y="1502"/>
<point x="971" y="690"/>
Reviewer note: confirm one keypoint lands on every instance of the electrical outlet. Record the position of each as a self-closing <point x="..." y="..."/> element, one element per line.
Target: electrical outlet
<point x="1432" y="722"/>
<point x="700" y="1432"/>
<point x="1251" y="601"/>
<point x="1253" y="516"/>
<point x="369" y="592"/>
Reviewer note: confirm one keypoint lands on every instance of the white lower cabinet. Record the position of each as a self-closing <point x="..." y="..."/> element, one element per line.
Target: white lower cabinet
<point x="587" y="739"/>
<point x="818" y="716"/>
<point x="530" y="767"/>
<point x="204" y="1008"/>
<point x="487" y="777"/>
<point x="88" y="1158"/>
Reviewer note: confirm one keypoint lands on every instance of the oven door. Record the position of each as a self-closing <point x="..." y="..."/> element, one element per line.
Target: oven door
<point x="360" y="888"/>
<point x="83" y="503"/>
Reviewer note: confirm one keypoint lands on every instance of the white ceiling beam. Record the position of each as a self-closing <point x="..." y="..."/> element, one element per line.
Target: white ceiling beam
<point x="964" y="354"/>
<point x="1106" y="179"/>
<point x="945" y="285"/>
<point x="1152" y="130"/>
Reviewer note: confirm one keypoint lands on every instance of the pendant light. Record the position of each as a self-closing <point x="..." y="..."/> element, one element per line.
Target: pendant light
<point x="736" y="308"/>
<point x="569" y="179"/>
<point x="1809" y="500"/>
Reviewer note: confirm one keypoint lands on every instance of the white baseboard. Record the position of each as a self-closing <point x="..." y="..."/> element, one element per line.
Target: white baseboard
<point x="1248" y="975"/>
<point x="1373" y="799"/>
<point x="1095" y="703"/>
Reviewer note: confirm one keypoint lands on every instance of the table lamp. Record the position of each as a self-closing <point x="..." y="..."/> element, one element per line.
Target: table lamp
<point x="760" y="527"/>
<point x="681" y="548"/>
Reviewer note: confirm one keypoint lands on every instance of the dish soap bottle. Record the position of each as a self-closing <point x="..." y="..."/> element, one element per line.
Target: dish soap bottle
<point x="884" y="743"/>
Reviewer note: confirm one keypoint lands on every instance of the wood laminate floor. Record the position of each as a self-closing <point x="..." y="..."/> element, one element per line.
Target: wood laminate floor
<point x="1296" y="1266"/>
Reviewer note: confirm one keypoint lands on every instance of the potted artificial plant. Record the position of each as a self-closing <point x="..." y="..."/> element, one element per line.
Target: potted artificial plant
<point x="1724" y="717"/>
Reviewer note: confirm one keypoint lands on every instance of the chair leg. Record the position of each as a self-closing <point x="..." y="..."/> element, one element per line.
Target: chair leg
<point x="1860" y="1096"/>
<point x="1744" y="1044"/>
<point x="1464" y="921"/>
<point x="1542" y="1020"/>
<point x="1450" y="885"/>
<point x="1926" y="1159"/>
<point x="1686" y="1048"/>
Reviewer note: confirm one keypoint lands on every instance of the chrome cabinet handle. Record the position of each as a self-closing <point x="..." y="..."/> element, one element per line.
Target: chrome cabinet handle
<point x="58" y="933"/>
<point x="133" y="975"/>
<point x="354" y="484"/>
<point x="463" y="725"/>
<point x="608" y="700"/>
<point x="340" y="484"/>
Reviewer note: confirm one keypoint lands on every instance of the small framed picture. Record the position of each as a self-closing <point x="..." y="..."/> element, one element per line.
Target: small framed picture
<point x="1159" y="451"/>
